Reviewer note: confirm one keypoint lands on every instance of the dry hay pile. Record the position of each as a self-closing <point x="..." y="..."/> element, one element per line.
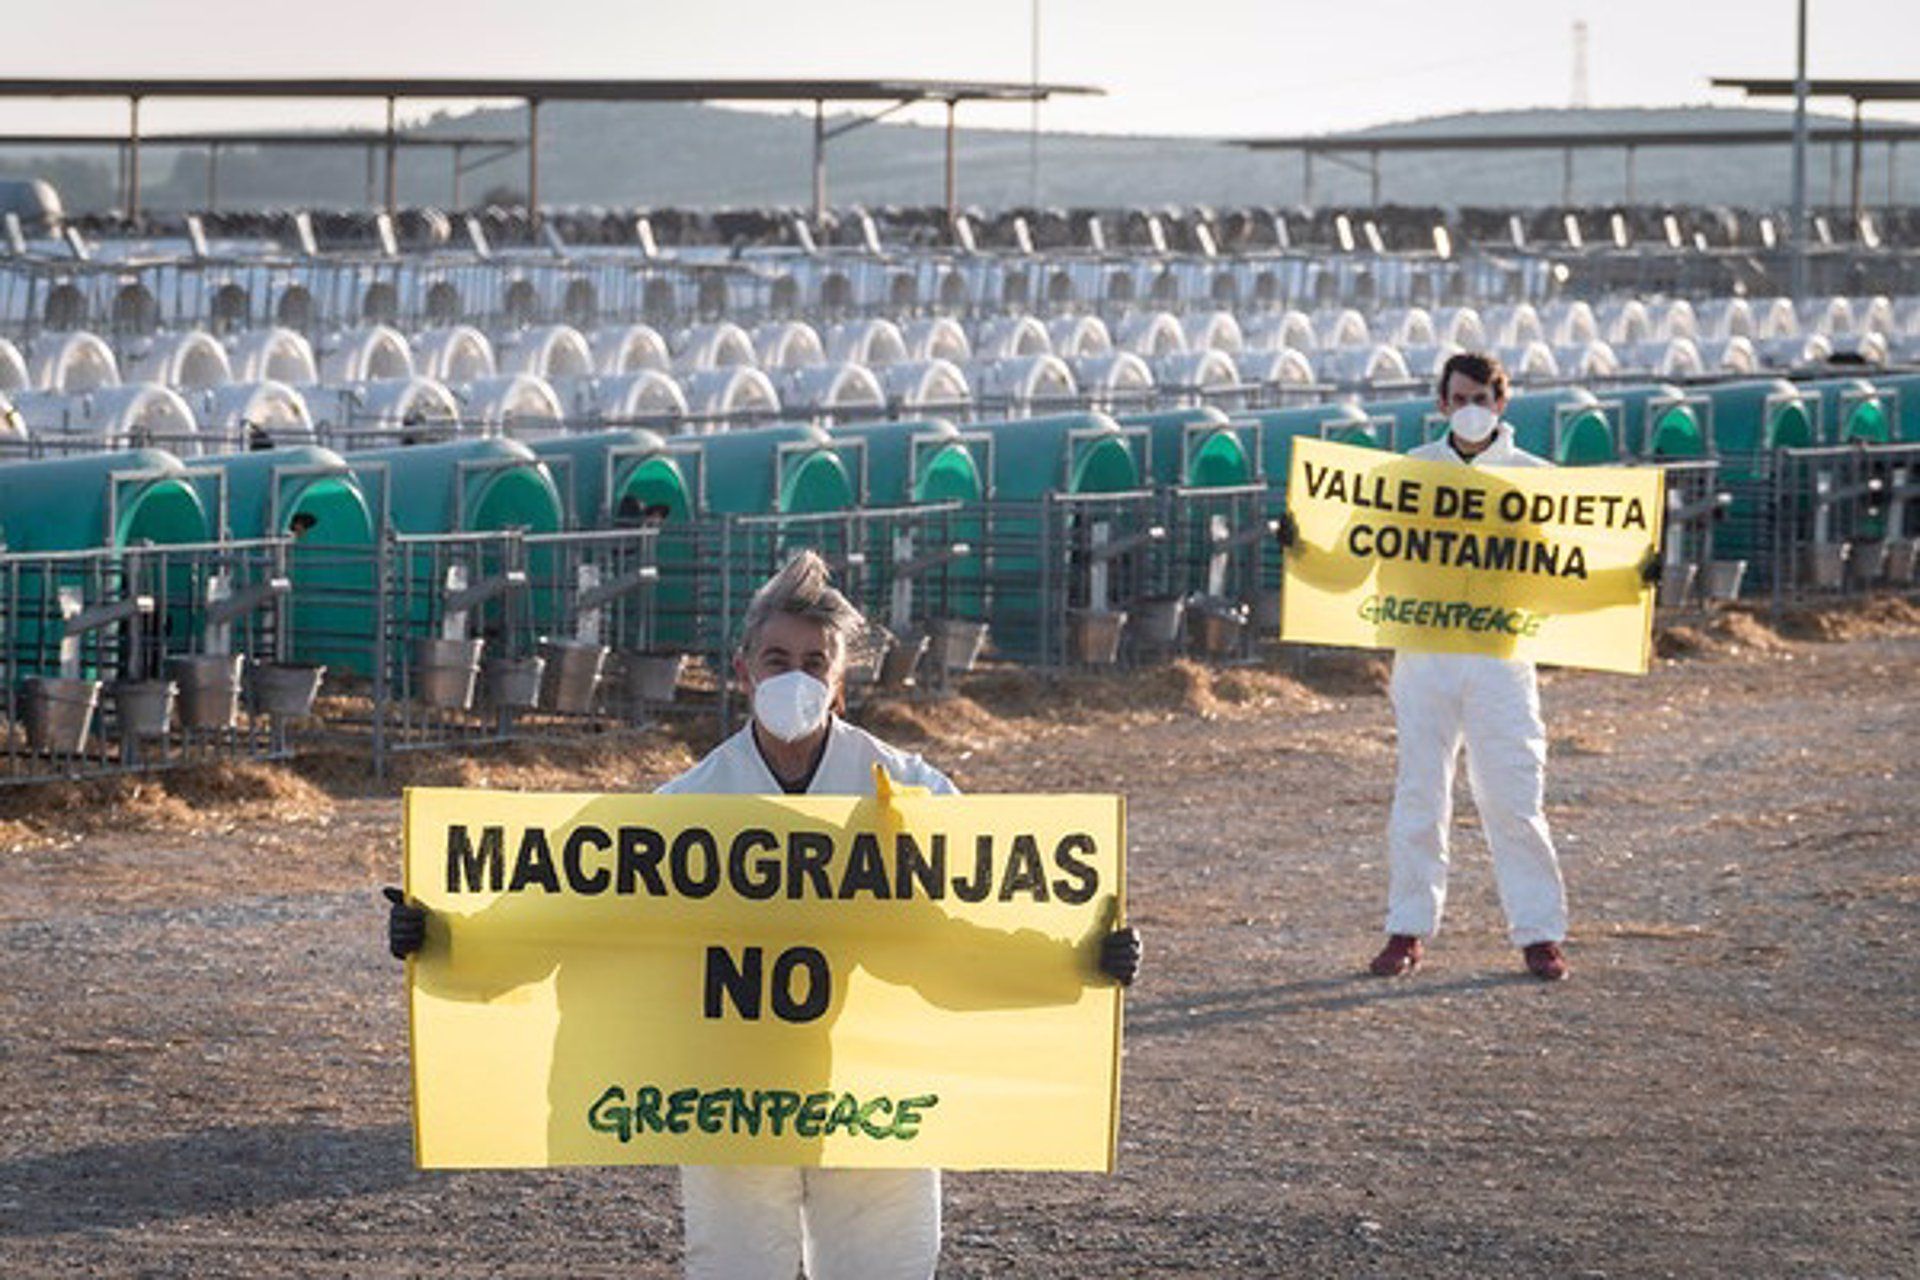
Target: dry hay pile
<point x="191" y="798"/>
<point x="1729" y="633"/>
<point x="1859" y="620"/>
<point x="996" y="704"/>
<point x="1744" y="630"/>
<point x="211" y="796"/>
<point x="605" y="762"/>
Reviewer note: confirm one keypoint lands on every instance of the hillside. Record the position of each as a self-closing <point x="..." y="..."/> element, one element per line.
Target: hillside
<point x="702" y="156"/>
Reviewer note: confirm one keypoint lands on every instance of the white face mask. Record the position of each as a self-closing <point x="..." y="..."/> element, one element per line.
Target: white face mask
<point x="791" y="705"/>
<point x="1473" y="423"/>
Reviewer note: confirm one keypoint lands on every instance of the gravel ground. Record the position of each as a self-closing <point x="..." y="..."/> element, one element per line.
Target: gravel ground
<point x="202" y="1041"/>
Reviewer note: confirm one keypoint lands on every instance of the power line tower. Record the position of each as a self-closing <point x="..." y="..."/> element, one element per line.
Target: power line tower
<point x="1581" y="98"/>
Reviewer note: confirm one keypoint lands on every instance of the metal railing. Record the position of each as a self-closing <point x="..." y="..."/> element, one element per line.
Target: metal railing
<point x="137" y="658"/>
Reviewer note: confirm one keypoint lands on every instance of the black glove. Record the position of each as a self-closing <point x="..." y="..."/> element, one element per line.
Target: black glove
<point x="1287" y="532"/>
<point x="1651" y="568"/>
<point x="406" y="924"/>
<point x="1120" y="953"/>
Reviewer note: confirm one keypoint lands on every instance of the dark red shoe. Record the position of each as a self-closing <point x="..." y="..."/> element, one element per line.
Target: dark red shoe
<point x="1545" y="961"/>
<point x="1400" y="957"/>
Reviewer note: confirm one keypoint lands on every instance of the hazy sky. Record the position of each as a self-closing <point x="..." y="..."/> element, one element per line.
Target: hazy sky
<point x="1230" y="67"/>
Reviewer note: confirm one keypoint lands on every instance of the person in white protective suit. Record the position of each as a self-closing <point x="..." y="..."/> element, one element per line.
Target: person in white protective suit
<point x="1492" y="705"/>
<point x="773" y="1223"/>
<point x="830" y="1224"/>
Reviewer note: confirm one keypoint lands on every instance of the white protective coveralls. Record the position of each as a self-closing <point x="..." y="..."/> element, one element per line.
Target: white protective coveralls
<point x="753" y="1222"/>
<point x="1439" y="700"/>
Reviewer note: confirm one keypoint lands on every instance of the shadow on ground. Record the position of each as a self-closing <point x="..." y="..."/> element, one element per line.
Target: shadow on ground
<point x="192" y="1174"/>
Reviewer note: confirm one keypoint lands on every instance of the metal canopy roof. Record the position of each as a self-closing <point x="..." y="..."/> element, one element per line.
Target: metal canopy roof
<point x="303" y="138"/>
<point x="1555" y="141"/>
<point x="1336" y="147"/>
<point x="1858" y="90"/>
<point x="535" y="93"/>
<point x="543" y="90"/>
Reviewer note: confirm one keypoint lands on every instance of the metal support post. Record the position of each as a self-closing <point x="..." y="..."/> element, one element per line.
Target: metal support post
<point x="819" y="165"/>
<point x="393" y="152"/>
<point x="1858" y="145"/>
<point x="953" y="196"/>
<point x="133" y="159"/>
<point x="533" y="162"/>
<point x="1797" y="237"/>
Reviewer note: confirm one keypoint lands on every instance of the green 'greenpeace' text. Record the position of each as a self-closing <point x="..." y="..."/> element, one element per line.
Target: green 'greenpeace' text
<point x="776" y="1112"/>
<point x="1450" y="615"/>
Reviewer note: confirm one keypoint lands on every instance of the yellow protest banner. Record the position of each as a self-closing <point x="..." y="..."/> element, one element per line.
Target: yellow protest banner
<point x="1536" y="563"/>
<point x="787" y="980"/>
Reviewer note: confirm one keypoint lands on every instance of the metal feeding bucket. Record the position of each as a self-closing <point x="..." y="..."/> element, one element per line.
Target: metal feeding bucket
<point x="1215" y="626"/>
<point x="284" y="689"/>
<point x="1266" y="613"/>
<point x="571" y="675"/>
<point x="956" y="643"/>
<point x="144" y="708"/>
<point x="1901" y="554"/>
<point x="513" y="684"/>
<point x="1825" y="565"/>
<point x="1867" y="563"/>
<point x="1093" y="636"/>
<point x="444" y="671"/>
<point x="897" y="664"/>
<point x="1724" y="578"/>
<point x="1153" y="625"/>
<point x="1676" y="584"/>
<point x="649" y="679"/>
<point x="60" y="712"/>
<point x="209" y="688"/>
<point x="863" y="663"/>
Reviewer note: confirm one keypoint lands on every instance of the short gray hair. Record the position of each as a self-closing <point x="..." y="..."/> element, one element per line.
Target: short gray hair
<point x="803" y="587"/>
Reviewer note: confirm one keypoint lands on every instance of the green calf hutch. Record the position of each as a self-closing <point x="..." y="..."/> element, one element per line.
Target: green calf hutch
<point x="101" y="500"/>
<point x="1662" y="421"/>
<point x="799" y="473"/>
<point x="1197" y="448"/>
<point x="1569" y="426"/>
<point x="1859" y="411"/>
<point x="1057" y="575"/>
<point x="1751" y="420"/>
<point x="1904" y="390"/>
<point x="921" y="463"/>
<point x="105" y="502"/>
<point x="1217" y="534"/>
<point x="312" y="496"/>
<point x="1854" y="409"/>
<point x="477" y="486"/>
<point x="619" y="477"/>
<point x="625" y="478"/>
<point x="462" y="486"/>
<point x="1345" y="423"/>
<point x="1754" y="418"/>
<point x="930" y="460"/>
<point x="1402" y="423"/>
<point x="783" y="470"/>
<point x="1373" y="426"/>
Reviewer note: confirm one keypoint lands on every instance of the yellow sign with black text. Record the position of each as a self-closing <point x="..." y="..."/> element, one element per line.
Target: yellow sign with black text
<point x="781" y="980"/>
<point x="1536" y="563"/>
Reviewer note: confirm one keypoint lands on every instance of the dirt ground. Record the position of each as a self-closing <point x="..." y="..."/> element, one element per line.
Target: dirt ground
<point x="202" y="1041"/>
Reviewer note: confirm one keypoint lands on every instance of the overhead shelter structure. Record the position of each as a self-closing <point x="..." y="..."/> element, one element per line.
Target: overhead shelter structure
<point x="535" y="92"/>
<point x="129" y="145"/>
<point x="1341" y="148"/>
<point x="1859" y="92"/>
